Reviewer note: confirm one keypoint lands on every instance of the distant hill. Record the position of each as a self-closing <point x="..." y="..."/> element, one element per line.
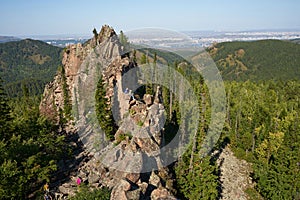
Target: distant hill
<point x="8" y="39"/>
<point x="33" y="63"/>
<point x="257" y="60"/>
<point x="29" y="63"/>
<point x="163" y="57"/>
<point x="297" y="40"/>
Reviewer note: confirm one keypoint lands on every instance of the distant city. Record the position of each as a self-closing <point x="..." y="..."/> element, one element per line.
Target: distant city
<point x="65" y="42"/>
<point x="207" y="38"/>
<point x="197" y="38"/>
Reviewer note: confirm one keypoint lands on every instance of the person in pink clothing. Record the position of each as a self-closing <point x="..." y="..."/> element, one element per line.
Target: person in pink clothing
<point x="78" y="181"/>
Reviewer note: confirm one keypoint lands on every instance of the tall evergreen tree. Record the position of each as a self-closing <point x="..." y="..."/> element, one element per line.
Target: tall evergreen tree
<point x="5" y="114"/>
<point x="143" y="59"/>
<point x="104" y="112"/>
<point x="124" y="41"/>
<point x="95" y="33"/>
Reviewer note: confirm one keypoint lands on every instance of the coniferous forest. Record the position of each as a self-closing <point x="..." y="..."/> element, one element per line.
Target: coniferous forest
<point x="30" y="147"/>
<point x="262" y="126"/>
<point x="28" y="64"/>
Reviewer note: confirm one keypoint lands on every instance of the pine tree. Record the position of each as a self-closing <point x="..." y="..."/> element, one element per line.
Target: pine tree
<point x="143" y="59"/>
<point x="265" y="132"/>
<point x="95" y="33"/>
<point x="5" y="114"/>
<point x="104" y="112"/>
<point x="67" y="109"/>
<point x="30" y="153"/>
<point x="124" y="41"/>
<point x="134" y="56"/>
<point x="199" y="183"/>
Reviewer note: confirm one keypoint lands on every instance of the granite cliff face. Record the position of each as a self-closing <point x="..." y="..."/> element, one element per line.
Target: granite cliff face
<point x="78" y="61"/>
<point x="118" y="164"/>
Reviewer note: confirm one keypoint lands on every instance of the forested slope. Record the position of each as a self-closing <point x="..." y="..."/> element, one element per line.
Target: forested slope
<point x="29" y="63"/>
<point x="262" y="121"/>
<point x="257" y="60"/>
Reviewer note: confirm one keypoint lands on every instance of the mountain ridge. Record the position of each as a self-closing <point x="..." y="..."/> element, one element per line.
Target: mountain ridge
<point x="277" y="60"/>
<point x="31" y="63"/>
<point x="4" y="39"/>
<point x="85" y="68"/>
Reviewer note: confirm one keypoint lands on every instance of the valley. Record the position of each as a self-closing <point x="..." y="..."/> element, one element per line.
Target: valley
<point x="96" y="111"/>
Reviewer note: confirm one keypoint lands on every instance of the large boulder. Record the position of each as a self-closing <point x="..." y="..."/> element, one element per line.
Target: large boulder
<point x="154" y="180"/>
<point x="148" y="99"/>
<point x="119" y="191"/>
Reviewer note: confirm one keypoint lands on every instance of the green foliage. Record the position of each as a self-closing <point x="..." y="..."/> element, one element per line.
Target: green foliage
<point x="29" y="147"/>
<point x="104" y="112"/>
<point x="197" y="176"/>
<point x="200" y="182"/>
<point x="140" y="123"/>
<point x="155" y="58"/>
<point x="143" y="59"/>
<point x="252" y="194"/>
<point x="123" y="137"/>
<point x="5" y="114"/>
<point x="134" y="59"/>
<point x="159" y="56"/>
<point x="84" y="193"/>
<point x="264" y="129"/>
<point x="297" y="40"/>
<point x="95" y="33"/>
<point x="257" y="60"/>
<point x="67" y="102"/>
<point x="124" y="41"/>
<point x="28" y="62"/>
<point x="262" y="122"/>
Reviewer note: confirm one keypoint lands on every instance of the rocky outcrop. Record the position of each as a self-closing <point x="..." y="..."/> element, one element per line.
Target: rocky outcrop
<point x="235" y="176"/>
<point x="130" y="165"/>
<point x="161" y="194"/>
<point x="53" y="97"/>
<point x="80" y="62"/>
<point x="120" y="165"/>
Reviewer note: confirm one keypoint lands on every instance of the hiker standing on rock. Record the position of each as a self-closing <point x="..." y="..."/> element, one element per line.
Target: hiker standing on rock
<point x="46" y="188"/>
<point x="126" y="91"/>
<point x="47" y="196"/>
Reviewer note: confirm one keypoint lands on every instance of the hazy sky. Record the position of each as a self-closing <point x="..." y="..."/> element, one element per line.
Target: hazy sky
<point x="41" y="17"/>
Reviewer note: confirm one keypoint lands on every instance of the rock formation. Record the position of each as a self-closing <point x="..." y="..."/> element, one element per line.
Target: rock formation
<point x="125" y="164"/>
<point x="235" y="176"/>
